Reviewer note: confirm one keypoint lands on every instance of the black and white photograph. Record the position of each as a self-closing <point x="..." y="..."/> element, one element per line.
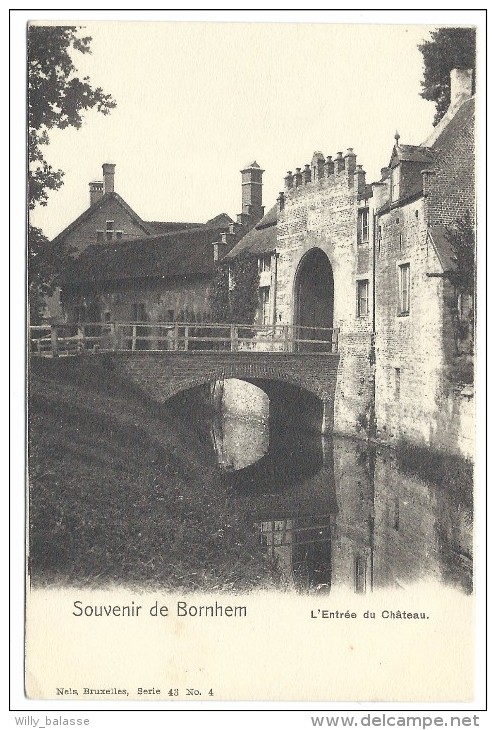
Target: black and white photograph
<point x="252" y="258"/>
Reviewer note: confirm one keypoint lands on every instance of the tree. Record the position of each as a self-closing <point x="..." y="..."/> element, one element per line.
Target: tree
<point x="448" y="48"/>
<point x="234" y="292"/>
<point x="46" y="261"/>
<point x="57" y="97"/>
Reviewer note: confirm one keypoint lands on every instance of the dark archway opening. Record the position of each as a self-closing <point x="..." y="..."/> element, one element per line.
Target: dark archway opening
<point x="314" y="300"/>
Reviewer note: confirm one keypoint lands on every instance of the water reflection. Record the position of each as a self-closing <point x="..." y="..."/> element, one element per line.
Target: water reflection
<point x="334" y="513"/>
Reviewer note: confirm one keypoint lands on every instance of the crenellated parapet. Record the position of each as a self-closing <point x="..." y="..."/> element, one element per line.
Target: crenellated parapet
<point x="324" y="172"/>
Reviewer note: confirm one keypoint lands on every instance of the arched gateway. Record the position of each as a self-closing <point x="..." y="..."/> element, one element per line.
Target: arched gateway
<point x="313" y="297"/>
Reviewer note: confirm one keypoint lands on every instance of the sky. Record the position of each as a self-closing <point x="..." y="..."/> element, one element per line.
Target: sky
<point x="198" y="101"/>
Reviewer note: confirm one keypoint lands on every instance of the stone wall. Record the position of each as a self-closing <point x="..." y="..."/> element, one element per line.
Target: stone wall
<point x="322" y="213"/>
<point x="415" y="395"/>
<point x="85" y="234"/>
<point x="171" y="300"/>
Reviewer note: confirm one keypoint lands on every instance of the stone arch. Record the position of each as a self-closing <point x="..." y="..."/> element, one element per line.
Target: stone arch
<point x="313" y="296"/>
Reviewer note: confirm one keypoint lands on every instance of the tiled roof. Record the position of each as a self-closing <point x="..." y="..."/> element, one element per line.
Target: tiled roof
<point x="261" y="239"/>
<point x="455" y="126"/>
<point x="411" y="153"/>
<point x="156" y="227"/>
<point x="184" y="253"/>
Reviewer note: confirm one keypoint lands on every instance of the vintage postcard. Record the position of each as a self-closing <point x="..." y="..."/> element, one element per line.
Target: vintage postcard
<point x="251" y="412"/>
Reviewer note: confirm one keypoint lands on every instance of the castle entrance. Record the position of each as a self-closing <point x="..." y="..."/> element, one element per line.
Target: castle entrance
<point x="314" y="299"/>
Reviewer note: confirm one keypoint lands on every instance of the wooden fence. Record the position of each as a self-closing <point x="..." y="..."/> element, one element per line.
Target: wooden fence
<point x="74" y="339"/>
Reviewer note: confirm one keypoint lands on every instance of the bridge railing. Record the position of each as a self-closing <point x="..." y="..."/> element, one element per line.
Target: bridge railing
<point x="73" y="339"/>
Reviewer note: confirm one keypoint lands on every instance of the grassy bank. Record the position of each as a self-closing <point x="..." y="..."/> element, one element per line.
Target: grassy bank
<point x="123" y="491"/>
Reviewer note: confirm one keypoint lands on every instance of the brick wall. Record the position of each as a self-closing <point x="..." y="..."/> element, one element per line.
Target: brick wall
<point x="164" y="375"/>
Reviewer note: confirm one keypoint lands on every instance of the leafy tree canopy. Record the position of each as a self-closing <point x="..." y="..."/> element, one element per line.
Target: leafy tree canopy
<point x="57" y="97"/>
<point x="448" y="48"/>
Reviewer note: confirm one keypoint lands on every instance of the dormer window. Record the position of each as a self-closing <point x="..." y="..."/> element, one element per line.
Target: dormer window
<point x="110" y="230"/>
<point x="395" y="183"/>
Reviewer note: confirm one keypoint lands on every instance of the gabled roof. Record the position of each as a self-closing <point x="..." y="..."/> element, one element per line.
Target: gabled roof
<point x="184" y="253"/>
<point x="260" y="239"/>
<point x="410" y="153"/>
<point x="95" y="207"/>
<point x="220" y="220"/>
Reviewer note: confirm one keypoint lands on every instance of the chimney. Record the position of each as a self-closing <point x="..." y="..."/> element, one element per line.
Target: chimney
<point x="96" y="191"/>
<point x="108" y="177"/>
<point x="251" y="192"/>
<point x="339" y="162"/>
<point x="460" y="85"/>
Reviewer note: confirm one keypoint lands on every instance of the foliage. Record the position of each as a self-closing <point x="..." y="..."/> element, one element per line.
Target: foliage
<point x="448" y="48"/>
<point x="46" y="261"/>
<point x="462" y="238"/>
<point x="234" y="292"/>
<point x="56" y="98"/>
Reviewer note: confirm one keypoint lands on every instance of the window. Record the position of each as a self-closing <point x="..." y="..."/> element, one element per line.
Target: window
<point x="264" y="263"/>
<point x="118" y="234"/>
<point x="362" y="298"/>
<point x="99" y="236"/>
<point x="404" y="289"/>
<point x="395" y="183"/>
<point x="263" y="298"/>
<point x="400" y="241"/>
<point x="110" y="230"/>
<point x="139" y="312"/>
<point x="359" y="575"/>
<point x="397" y="383"/>
<point x="363" y="225"/>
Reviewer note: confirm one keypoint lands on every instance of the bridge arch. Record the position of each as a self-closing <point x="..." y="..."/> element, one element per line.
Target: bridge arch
<point x="300" y="388"/>
<point x="313" y="294"/>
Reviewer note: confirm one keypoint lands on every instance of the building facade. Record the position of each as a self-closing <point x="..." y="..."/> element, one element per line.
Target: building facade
<point x="377" y="262"/>
<point x="130" y="270"/>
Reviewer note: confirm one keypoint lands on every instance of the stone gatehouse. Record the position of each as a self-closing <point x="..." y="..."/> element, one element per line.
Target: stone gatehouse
<point x="377" y="261"/>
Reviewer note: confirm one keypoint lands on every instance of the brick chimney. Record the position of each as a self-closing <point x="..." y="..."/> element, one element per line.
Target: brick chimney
<point x="96" y="191"/>
<point x="251" y="193"/>
<point x="460" y="85"/>
<point x="108" y="177"/>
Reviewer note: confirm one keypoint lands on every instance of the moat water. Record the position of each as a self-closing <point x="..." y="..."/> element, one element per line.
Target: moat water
<point x="336" y="513"/>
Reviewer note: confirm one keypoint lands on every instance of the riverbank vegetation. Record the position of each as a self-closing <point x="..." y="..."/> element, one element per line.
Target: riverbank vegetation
<point x="122" y="492"/>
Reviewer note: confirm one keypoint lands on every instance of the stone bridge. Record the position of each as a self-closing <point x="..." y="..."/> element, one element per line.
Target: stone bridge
<point x="295" y="366"/>
<point x="300" y="386"/>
